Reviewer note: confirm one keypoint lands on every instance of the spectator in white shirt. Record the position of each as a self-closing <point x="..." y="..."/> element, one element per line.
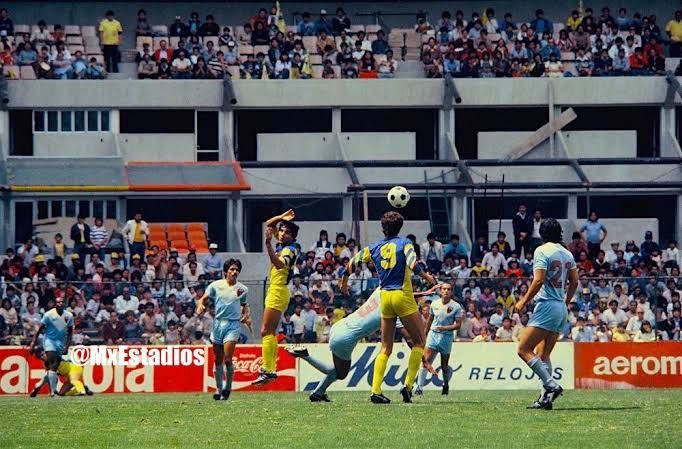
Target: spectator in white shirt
<point x="613" y="316"/>
<point x="635" y="323"/>
<point x="299" y="324"/>
<point x="671" y="255"/>
<point x="494" y="260"/>
<point x="645" y="334"/>
<point x="461" y="273"/>
<point x="611" y="255"/>
<point x="535" y="239"/>
<point x="581" y="333"/>
<point x="192" y="257"/>
<point x="321" y="246"/>
<point x="93" y="306"/>
<point x="125" y="302"/>
<point x="432" y="253"/>
<point x="297" y="288"/>
<point x="99" y="237"/>
<point x="91" y="267"/>
<point x="357" y="281"/>
<point x="213" y="262"/>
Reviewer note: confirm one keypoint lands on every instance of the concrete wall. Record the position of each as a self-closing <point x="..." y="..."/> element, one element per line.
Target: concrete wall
<point x="157" y="147"/>
<point x="619" y="229"/>
<point x="616" y="173"/>
<point x="397" y="93"/>
<point x="324" y="146"/>
<point x="73" y="144"/>
<point x="581" y="144"/>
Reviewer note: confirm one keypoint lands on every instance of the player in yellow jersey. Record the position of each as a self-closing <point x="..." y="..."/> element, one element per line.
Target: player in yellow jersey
<point x="395" y="261"/>
<point x="71" y="374"/>
<point x="282" y="260"/>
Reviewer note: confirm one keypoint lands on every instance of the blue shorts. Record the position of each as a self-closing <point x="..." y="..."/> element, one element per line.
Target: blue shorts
<point x="440" y="342"/>
<point x="549" y="315"/>
<point x="53" y="345"/>
<point x="341" y="342"/>
<point x="224" y="331"/>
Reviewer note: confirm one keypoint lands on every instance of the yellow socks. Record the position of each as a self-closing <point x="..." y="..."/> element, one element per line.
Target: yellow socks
<point x="269" y="353"/>
<point x="379" y="370"/>
<point x="413" y="365"/>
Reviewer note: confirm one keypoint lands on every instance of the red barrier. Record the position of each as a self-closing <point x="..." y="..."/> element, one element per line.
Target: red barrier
<point x="628" y="365"/>
<point x="20" y="371"/>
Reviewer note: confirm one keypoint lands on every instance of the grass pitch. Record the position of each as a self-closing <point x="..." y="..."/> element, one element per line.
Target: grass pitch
<point x="476" y="419"/>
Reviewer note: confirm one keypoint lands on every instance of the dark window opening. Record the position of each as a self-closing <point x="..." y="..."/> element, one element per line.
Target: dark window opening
<point x="145" y="121"/>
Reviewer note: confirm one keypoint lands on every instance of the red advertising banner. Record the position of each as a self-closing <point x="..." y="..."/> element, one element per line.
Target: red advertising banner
<point x="20" y="371"/>
<point x="628" y="365"/>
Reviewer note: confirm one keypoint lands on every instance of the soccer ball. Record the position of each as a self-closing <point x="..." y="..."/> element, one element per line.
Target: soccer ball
<point x="398" y="196"/>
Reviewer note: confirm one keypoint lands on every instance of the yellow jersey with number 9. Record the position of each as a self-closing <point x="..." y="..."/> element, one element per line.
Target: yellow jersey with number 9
<point x="394" y="259"/>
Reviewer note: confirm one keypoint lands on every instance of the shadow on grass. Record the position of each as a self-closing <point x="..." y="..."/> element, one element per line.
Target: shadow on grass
<point x="578" y="409"/>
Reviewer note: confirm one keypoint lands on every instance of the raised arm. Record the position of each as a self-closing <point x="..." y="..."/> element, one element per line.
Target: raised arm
<point x="274" y="259"/>
<point x="286" y="216"/>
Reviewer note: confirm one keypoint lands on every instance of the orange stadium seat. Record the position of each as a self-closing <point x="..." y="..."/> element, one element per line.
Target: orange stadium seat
<point x="176" y="227"/>
<point x="162" y="244"/>
<point x="158" y="226"/>
<point x="195" y="227"/>
<point x="196" y="235"/>
<point x="180" y="244"/>
<point x="176" y="235"/>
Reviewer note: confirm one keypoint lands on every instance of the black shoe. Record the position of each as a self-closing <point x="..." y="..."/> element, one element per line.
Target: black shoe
<point x="446" y="390"/>
<point x="217" y="397"/>
<point x="379" y="399"/>
<point x="406" y="394"/>
<point x="541" y="404"/>
<point x="34" y="393"/>
<point x="225" y="394"/>
<point x="554" y="393"/>
<point x="264" y="378"/>
<point x="319" y="398"/>
<point x="418" y="391"/>
<point x="88" y="391"/>
<point x="297" y="351"/>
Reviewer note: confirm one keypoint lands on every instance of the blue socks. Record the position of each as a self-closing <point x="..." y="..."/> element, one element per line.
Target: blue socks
<point x="229" y="373"/>
<point x="539" y="368"/>
<point x="219" y="377"/>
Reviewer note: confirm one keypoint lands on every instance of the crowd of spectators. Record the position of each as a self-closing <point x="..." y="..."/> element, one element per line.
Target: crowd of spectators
<point x="624" y="294"/>
<point x="586" y="45"/>
<point x="263" y="48"/>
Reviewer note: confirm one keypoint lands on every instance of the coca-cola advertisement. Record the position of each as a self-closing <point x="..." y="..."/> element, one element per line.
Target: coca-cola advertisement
<point x="20" y="371"/>
<point x="248" y="361"/>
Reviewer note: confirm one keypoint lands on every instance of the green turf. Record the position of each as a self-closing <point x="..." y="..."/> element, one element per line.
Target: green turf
<point x="479" y="419"/>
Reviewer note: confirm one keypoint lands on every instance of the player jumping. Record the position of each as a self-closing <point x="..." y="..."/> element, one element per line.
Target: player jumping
<point x="343" y="338"/>
<point x="58" y="326"/>
<point x="282" y="259"/>
<point x="445" y="318"/>
<point x="552" y="265"/>
<point x="395" y="260"/>
<point x="229" y="299"/>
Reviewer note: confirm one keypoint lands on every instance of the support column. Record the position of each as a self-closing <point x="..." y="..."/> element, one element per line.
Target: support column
<point x="229" y="228"/>
<point x="572" y="208"/>
<point x="458" y="216"/>
<point x="238" y="220"/>
<point x="336" y="120"/>
<point x="678" y="219"/>
<point x="226" y="136"/>
<point x="666" y="128"/>
<point x="446" y="125"/>
<point x="4" y="135"/>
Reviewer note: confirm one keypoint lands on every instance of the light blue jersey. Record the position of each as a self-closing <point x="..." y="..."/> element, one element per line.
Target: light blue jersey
<point x="557" y="261"/>
<point x="444" y="315"/>
<point x="227" y="299"/>
<point x="56" y="326"/>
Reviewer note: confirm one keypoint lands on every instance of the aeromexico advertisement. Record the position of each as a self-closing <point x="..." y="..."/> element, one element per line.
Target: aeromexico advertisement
<point x="475" y="366"/>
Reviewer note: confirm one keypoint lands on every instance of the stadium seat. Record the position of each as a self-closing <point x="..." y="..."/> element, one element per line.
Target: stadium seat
<point x="213" y="39"/>
<point x="355" y="28"/>
<point x="27" y="72"/>
<point x="195" y="227"/>
<point x="176" y="235"/>
<point x="74" y="48"/>
<point x="161" y="30"/>
<point x="245" y="49"/>
<point x="88" y="31"/>
<point x="141" y="40"/>
<point x="175" y="227"/>
<point x="196" y="235"/>
<point x="22" y="29"/>
<point x="11" y="72"/>
<point x="72" y="30"/>
<point x="310" y="43"/>
<point x="156" y="42"/>
<point x="260" y="49"/>
<point x="316" y="59"/>
<point x="567" y="56"/>
<point x="337" y="71"/>
<point x="162" y="244"/>
<point x="317" y="71"/>
<point x="372" y="28"/>
<point x="292" y="28"/>
<point x="180" y="244"/>
<point x="173" y="41"/>
<point x="75" y="40"/>
<point x="157" y="226"/>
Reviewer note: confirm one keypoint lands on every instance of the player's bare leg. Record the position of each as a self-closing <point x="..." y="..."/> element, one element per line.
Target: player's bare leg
<point x="228" y="350"/>
<point x="380" y="363"/>
<point x="530" y="338"/>
<point x="413" y="325"/>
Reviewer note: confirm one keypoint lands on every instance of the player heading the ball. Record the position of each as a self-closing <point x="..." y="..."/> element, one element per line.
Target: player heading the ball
<point x="395" y="260"/>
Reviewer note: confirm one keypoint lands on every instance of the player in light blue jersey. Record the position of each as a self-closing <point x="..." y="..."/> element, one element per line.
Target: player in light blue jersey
<point x="344" y="337"/>
<point x="57" y="324"/>
<point x="445" y="318"/>
<point x="229" y="299"/>
<point x="553" y="265"/>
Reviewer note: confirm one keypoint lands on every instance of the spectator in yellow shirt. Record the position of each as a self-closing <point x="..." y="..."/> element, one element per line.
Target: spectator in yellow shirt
<point x="573" y="21"/>
<point x="618" y="334"/>
<point x="110" y="31"/>
<point x="674" y="30"/>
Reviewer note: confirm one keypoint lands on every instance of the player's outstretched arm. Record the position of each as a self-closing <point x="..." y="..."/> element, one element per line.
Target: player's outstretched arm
<point x="284" y="216"/>
<point x="572" y="284"/>
<point x="535" y="286"/>
<point x="428" y="292"/>
<point x="201" y="304"/>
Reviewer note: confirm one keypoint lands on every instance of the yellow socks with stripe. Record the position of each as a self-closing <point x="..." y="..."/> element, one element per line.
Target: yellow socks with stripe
<point x="269" y="353"/>
<point x="379" y="369"/>
<point x="413" y="365"/>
